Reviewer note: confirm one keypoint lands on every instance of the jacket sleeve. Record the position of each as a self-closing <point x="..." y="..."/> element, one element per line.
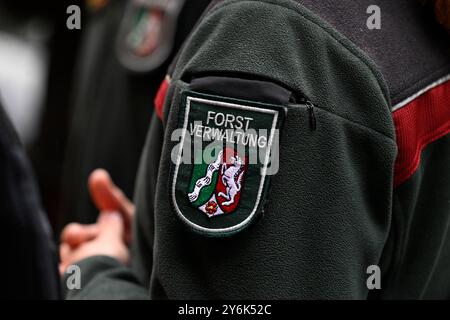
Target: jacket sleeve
<point x="104" y="278"/>
<point x="328" y="213"/>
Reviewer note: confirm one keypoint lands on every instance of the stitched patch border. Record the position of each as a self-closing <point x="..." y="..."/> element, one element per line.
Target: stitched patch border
<point x="277" y="114"/>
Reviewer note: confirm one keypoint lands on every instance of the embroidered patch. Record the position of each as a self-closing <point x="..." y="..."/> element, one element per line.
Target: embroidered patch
<point x="147" y="33"/>
<point x="227" y="151"/>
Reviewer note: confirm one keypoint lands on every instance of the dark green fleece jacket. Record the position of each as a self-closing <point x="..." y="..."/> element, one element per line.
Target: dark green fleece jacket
<point x="361" y="118"/>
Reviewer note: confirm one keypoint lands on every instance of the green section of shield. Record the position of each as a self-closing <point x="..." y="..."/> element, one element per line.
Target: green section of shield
<point x="199" y="108"/>
<point x="139" y="28"/>
<point x="198" y="172"/>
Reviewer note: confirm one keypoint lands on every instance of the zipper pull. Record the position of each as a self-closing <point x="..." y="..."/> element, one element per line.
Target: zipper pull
<point x="312" y="116"/>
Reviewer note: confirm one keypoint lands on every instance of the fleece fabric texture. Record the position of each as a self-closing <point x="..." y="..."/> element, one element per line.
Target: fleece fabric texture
<point x="417" y="255"/>
<point x="409" y="35"/>
<point x="329" y="208"/>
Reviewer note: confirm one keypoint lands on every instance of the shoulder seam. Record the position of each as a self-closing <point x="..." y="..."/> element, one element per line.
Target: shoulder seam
<point x="346" y="43"/>
<point x="421" y="92"/>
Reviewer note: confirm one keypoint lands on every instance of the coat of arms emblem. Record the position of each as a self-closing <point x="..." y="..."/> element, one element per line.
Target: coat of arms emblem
<point x="219" y="179"/>
<point x="226" y="174"/>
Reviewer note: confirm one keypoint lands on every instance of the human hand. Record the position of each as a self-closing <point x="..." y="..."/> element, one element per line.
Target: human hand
<point x="108" y="197"/>
<point x="106" y="239"/>
<point x="80" y="241"/>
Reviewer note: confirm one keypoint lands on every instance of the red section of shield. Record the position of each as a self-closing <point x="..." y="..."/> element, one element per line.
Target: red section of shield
<point x="221" y="188"/>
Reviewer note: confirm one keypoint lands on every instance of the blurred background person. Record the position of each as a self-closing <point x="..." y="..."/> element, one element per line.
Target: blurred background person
<point x="36" y="58"/>
<point x="83" y="99"/>
<point x="37" y="53"/>
<point x="23" y="66"/>
<point x="126" y="49"/>
<point x="80" y="99"/>
<point x="29" y="261"/>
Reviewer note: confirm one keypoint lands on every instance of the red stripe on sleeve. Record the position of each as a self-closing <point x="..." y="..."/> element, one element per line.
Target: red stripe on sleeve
<point x="418" y="123"/>
<point x="161" y="97"/>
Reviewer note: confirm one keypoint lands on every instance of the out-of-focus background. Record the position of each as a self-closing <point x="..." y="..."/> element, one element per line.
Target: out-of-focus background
<point x="82" y="99"/>
<point x="77" y="80"/>
<point x="37" y="63"/>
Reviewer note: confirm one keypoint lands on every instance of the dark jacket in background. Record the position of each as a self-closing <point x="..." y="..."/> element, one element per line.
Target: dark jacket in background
<point x="29" y="262"/>
<point x="112" y="108"/>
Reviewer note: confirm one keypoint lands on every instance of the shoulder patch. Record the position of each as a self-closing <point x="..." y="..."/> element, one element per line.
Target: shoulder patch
<point x="227" y="152"/>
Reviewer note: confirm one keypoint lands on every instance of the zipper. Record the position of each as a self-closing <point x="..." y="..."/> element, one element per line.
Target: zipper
<point x="312" y="116"/>
<point x="295" y="98"/>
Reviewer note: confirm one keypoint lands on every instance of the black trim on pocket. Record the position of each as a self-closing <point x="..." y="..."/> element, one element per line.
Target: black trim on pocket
<point x="263" y="91"/>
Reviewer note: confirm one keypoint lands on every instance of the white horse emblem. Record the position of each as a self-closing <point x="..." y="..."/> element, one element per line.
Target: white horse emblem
<point x="228" y="176"/>
<point x="232" y="179"/>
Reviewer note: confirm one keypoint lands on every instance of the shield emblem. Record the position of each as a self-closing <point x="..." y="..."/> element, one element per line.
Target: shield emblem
<point x="147" y="33"/>
<point x="219" y="179"/>
<point x="216" y="189"/>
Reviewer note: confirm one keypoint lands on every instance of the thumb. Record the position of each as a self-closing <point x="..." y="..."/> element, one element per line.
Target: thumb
<point x="111" y="225"/>
<point x="101" y="190"/>
<point x="108" y="197"/>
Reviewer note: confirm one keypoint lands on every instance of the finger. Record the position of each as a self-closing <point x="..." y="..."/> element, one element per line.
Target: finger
<point x="108" y="197"/>
<point x="62" y="269"/>
<point x="126" y="206"/>
<point x="111" y="225"/>
<point x="64" y="251"/>
<point x="74" y="233"/>
<point x="100" y="186"/>
<point x="127" y="211"/>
